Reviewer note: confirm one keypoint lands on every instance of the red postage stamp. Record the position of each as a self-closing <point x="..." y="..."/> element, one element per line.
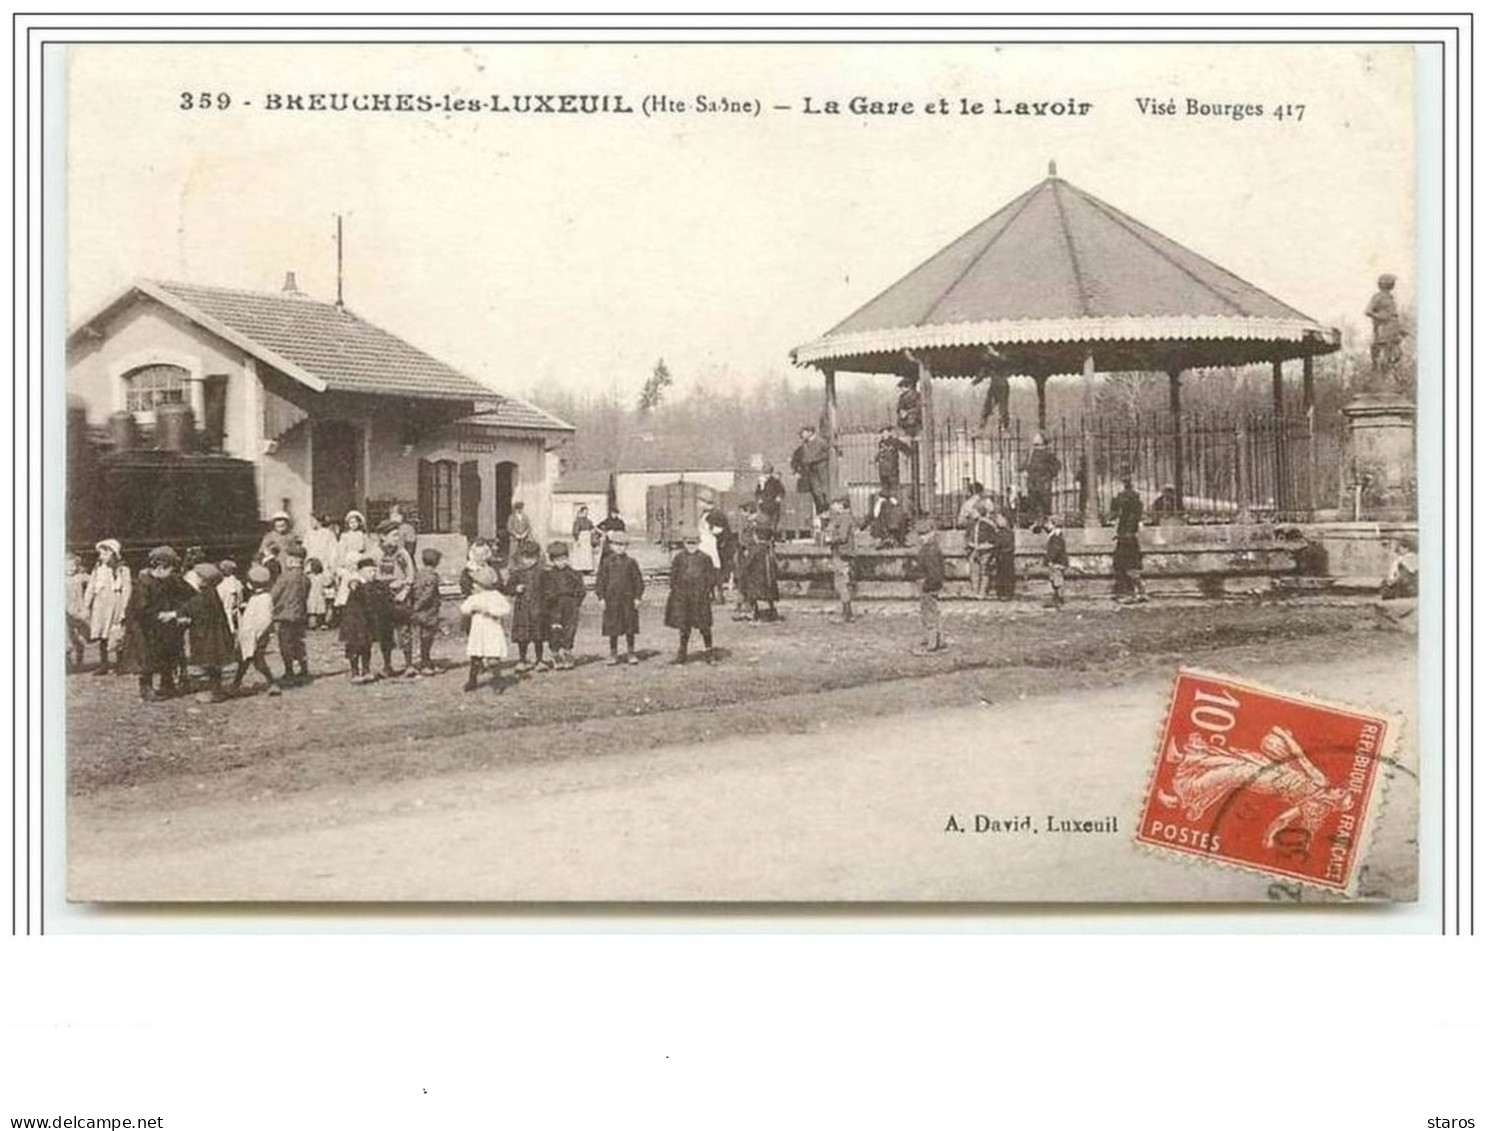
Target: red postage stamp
<point x="1265" y="781"/>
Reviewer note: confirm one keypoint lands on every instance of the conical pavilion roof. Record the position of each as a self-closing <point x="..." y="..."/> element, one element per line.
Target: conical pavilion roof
<point x="1057" y="273"/>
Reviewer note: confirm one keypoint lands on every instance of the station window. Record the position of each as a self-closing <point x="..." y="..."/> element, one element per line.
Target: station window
<point x="150" y="386"/>
<point x="438" y="498"/>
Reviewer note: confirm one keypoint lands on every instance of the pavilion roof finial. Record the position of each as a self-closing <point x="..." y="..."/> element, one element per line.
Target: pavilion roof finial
<point x="1052" y="168"/>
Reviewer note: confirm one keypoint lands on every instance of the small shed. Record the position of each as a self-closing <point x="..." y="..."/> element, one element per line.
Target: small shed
<point x="593" y="489"/>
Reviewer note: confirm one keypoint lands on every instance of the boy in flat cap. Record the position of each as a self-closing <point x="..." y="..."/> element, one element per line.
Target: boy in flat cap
<point x="689" y="605"/>
<point x="1129" y="584"/>
<point x="840" y="536"/>
<point x="768" y="495"/>
<point x="528" y="610"/>
<point x="562" y="595"/>
<point x="156" y="621"/>
<point x="254" y="628"/>
<point x="1055" y="557"/>
<point x="357" y="632"/>
<point x="619" y="587"/>
<point x="212" y="645"/>
<point x="927" y="568"/>
<point x="291" y="600"/>
<point x="424" y="605"/>
<point x="395" y="571"/>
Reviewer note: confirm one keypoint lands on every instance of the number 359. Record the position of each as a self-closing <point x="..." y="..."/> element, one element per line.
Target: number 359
<point x="204" y="100"/>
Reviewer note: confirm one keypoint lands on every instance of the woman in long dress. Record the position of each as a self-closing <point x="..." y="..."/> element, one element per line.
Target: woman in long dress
<point x="355" y="542"/>
<point x="322" y="549"/>
<point x="707" y="537"/>
<point x="583" y="538"/>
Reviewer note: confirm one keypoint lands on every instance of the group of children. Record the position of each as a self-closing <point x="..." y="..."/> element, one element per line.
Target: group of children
<point x="539" y="602"/>
<point x="926" y="567"/>
<point x="368" y="588"/>
<point x="990" y="544"/>
<point x="178" y="612"/>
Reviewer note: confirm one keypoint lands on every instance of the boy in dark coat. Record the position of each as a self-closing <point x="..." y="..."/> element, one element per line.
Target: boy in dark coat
<point x="889" y="451"/>
<point x="810" y="463"/>
<point x="689" y="605"/>
<point x="210" y="635"/>
<point x="381" y="619"/>
<point x="291" y="599"/>
<point x="423" y="609"/>
<point x="768" y="495"/>
<point x="155" y="618"/>
<point x="356" y="620"/>
<point x="1003" y="550"/>
<point x="1128" y="511"/>
<point x="758" y="573"/>
<point x="619" y="588"/>
<point x="528" y="610"/>
<point x="611" y="526"/>
<point x="1041" y="467"/>
<point x="1055" y="557"/>
<point x="927" y="568"/>
<point x="840" y="537"/>
<point x="562" y="595"/>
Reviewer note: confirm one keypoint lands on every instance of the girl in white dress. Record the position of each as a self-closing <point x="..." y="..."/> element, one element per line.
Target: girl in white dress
<point x="105" y="598"/>
<point x="487" y="608"/>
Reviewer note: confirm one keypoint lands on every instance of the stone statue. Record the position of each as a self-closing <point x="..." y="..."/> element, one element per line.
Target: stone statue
<point x="1387" y="332"/>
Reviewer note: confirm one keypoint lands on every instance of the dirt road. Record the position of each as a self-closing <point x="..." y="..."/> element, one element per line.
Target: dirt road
<point x="844" y="812"/>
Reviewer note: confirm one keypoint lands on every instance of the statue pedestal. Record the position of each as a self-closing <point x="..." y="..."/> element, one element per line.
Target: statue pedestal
<point x="1378" y="479"/>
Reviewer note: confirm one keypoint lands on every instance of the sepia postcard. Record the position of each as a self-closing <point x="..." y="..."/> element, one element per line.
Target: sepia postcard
<point x="833" y="473"/>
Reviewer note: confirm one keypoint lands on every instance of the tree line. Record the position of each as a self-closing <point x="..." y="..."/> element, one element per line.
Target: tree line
<point x="724" y="420"/>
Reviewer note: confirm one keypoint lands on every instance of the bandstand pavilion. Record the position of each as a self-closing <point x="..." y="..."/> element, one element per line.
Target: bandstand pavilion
<point x="1057" y="282"/>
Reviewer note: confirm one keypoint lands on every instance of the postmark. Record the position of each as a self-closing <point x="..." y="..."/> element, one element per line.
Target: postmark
<point x="1271" y="782"/>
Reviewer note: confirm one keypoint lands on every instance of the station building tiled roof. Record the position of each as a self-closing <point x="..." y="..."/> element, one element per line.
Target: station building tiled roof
<point x="331" y="349"/>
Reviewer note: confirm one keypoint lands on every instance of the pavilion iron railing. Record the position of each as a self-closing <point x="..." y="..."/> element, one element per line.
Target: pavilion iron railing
<point x="1213" y="467"/>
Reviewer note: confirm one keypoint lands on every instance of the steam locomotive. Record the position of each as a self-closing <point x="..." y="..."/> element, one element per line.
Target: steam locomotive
<point x="157" y="486"/>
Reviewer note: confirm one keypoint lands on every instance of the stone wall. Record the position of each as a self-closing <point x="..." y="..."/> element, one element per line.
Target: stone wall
<point x="1190" y="561"/>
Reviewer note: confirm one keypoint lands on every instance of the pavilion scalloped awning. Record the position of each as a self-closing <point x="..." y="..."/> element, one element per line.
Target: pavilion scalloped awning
<point x="1057" y="270"/>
